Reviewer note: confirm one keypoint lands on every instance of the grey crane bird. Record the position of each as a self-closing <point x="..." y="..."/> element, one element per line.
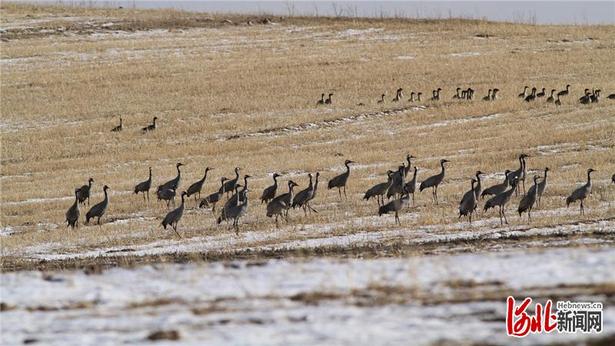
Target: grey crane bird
<point x="434" y="181"/>
<point x="322" y="99"/>
<point x="611" y="97"/>
<point x="172" y="218"/>
<point x="237" y="209"/>
<point x="72" y="214"/>
<point x="488" y="97"/>
<point x="229" y="185"/>
<point x="397" y="187"/>
<point x="531" y="97"/>
<point x="233" y="200"/>
<point x="524" y="93"/>
<point x="270" y="191"/>
<point x="398" y="95"/>
<point x="167" y="195"/>
<point x="302" y="198"/>
<point x="564" y="92"/>
<point x="494" y="94"/>
<point x="528" y="201"/>
<point x="519" y="173"/>
<point x="580" y="193"/>
<point x="144" y="186"/>
<point x="214" y="198"/>
<point x="497" y="188"/>
<point x="475" y="192"/>
<point x="409" y="160"/>
<point x="551" y="99"/>
<point x="410" y="186"/>
<point x="329" y="101"/>
<point x="500" y="201"/>
<point x="395" y="206"/>
<point x="150" y="127"/>
<point x="172" y="184"/>
<point x="84" y="192"/>
<point x="613" y="178"/>
<point x="542" y="93"/>
<point x="196" y="187"/>
<point x="313" y="194"/>
<point x="381" y="98"/>
<point x="98" y="210"/>
<point x="340" y="181"/>
<point x="380" y="189"/>
<point x="542" y="186"/>
<point x="279" y="205"/>
<point x="119" y="127"/>
<point x="469" y="202"/>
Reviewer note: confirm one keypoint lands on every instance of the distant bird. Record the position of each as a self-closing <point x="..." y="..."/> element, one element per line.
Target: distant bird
<point x="418" y="96"/>
<point x="557" y="101"/>
<point x="196" y="187"/>
<point x="528" y="201"/>
<point x="172" y="184"/>
<point x="381" y="98"/>
<point x="457" y="95"/>
<point x="395" y="206"/>
<point x="468" y="202"/>
<point x="524" y="93"/>
<point x="469" y="94"/>
<point x="585" y="99"/>
<point x="551" y="99"/>
<point x="409" y="161"/>
<point x="434" y="181"/>
<point x="173" y="217"/>
<point x="613" y="178"/>
<point x="398" y="95"/>
<point x="580" y="193"/>
<point x="150" y="127"/>
<point x="498" y="188"/>
<point x="435" y="94"/>
<point x="229" y="185"/>
<point x="341" y="180"/>
<point x="214" y="198"/>
<point x="98" y="210"/>
<point x="329" y="100"/>
<point x="410" y="186"/>
<point x="476" y="190"/>
<point x="72" y="214"/>
<point x="118" y="128"/>
<point x="541" y="186"/>
<point x="237" y="209"/>
<point x="500" y="201"/>
<point x="167" y="195"/>
<point x="494" y="94"/>
<point x="84" y="192"/>
<point x="541" y="93"/>
<point x="379" y="190"/>
<point x="322" y="99"/>
<point x="564" y="92"/>
<point x="302" y="197"/>
<point x="611" y="97"/>
<point x="144" y="186"/>
<point x="279" y="205"/>
<point x="532" y="96"/>
<point x="595" y="96"/>
<point x="488" y="97"/>
<point x="270" y="191"/>
<point x="411" y="97"/>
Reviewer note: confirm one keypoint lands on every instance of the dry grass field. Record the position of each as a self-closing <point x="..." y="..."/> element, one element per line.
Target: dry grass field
<point x="230" y="93"/>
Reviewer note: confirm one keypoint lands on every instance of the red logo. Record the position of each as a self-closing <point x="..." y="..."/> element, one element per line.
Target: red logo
<point x="520" y="324"/>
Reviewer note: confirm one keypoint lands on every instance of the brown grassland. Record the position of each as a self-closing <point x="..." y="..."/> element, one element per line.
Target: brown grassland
<point x="231" y="94"/>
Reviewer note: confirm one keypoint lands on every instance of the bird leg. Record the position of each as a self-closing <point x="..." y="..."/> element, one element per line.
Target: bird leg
<point x="345" y="192"/>
<point x="582" y="208"/>
<point x="175" y="229"/>
<point x="503" y="213"/>
<point x="397" y="218"/>
<point x="339" y="189"/>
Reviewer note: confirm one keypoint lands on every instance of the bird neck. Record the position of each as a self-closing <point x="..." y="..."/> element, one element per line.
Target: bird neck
<point x="442" y="165"/>
<point x="546" y="172"/>
<point x="316" y="183"/>
<point x="275" y="181"/>
<point x="347" y="168"/>
<point x="589" y="178"/>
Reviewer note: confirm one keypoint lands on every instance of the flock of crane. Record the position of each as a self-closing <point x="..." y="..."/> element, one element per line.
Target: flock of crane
<point x="392" y="195"/>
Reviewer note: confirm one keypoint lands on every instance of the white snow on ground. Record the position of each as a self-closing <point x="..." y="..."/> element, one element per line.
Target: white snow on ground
<point x="244" y="303"/>
<point x="465" y="54"/>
